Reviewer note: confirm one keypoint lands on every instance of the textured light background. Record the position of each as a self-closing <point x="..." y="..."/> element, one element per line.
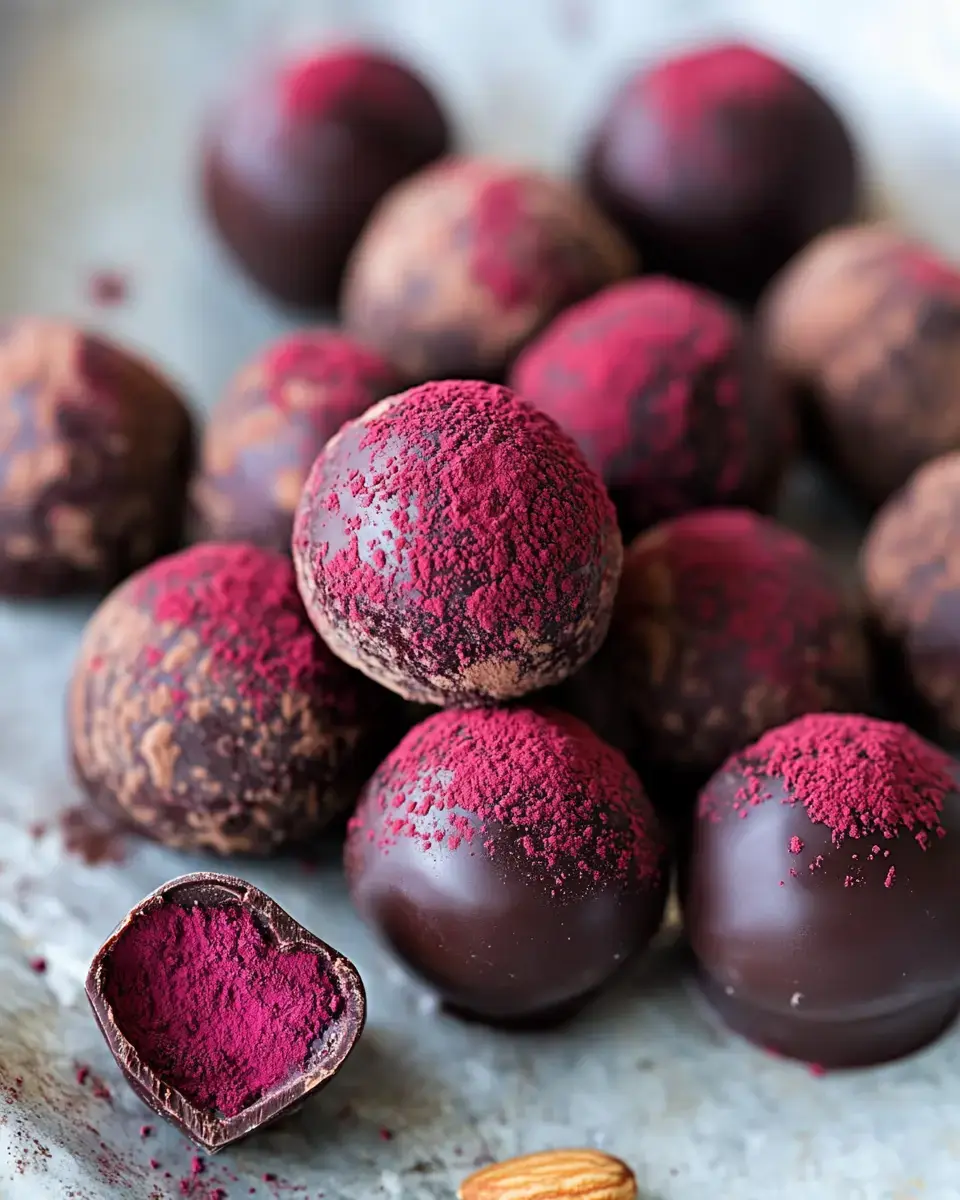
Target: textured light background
<point x="99" y="102"/>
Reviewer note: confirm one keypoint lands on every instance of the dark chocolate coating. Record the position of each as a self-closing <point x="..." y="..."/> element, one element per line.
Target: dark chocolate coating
<point x="863" y="328"/>
<point x="296" y="158"/>
<point x="206" y="1128"/>
<point x="464" y="262"/>
<point x="268" y="428"/>
<point x="494" y="933"/>
<point x="725" y="625"/>
<point x="174" y="729"/>
<point x="95" y="452"/>
<point x="834" y="967"/>
<point x="910" y="567"/>
<point x="721" y="163"/>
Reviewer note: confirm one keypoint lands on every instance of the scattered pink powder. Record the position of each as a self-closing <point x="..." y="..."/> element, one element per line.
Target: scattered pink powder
<point x="891" y="877"/>
<point x="217" y="1011"/>
<point x="796" y="845"/>
<point x="461" y="773"/>
<point x="108" y="288"/>
<point x="39" y="965"/>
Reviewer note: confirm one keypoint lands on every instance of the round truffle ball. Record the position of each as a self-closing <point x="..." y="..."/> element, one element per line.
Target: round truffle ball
<point x="864" y="327"/>
<point x="655" y="380"/>
<point x="273" y="421"/>
<point x="297" y="155"/>
<point x="910" y="568"/>
<point x="461" y="264"/>
<point x="509" y="858"/>
<point x="205" y="710"/>
<point x="721" y="163"/>
<point x="725" y="625"/>
<point x="95" y="452"/>
<point x="823" y="891"/>
<point x="454" y="545"/>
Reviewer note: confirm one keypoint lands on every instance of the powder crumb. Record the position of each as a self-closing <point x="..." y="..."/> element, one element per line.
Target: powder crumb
<point x="100" y="1089"/>
<point x="386" y="1135"/>
<point x="268" y="1177"/>
<point x="92" y="836"/>
<point x="39" y="965"/>
<point x="82" y="1073"/>
<point x="37" y="829"/>
<point x="197" y="1165"/>
<point x="146" y="1130"/>
<point x="795" y="845"/>
<point x="154" y="1164"/>
<point x="891" y="878"/>
<point x="108" y="288"/>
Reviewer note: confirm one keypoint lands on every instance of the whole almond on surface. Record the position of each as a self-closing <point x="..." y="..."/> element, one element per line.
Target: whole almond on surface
<point x="553" y="1175"/>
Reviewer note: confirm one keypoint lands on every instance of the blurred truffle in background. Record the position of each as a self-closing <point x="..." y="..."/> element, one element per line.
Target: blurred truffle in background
<point x="864" y="328"/>
<point x="96" y="447"/>
<point x="721" y="163"/>
<point x="273" y="420"/>
<point x="463" y="263"/>
<point x="297" y="154"/>
<point x="657" y="382"/>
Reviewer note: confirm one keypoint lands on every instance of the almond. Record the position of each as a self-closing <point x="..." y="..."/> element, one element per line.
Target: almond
<point x="554" y="1175"/>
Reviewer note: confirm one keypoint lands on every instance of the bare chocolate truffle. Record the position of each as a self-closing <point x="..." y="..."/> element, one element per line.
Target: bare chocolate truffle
<point x="910" y="567"/>
<point x="454" y="545"/>
<point x="273" y="421"/>
<point x="725" y="625"/>
<point x="823" y="891"/>
<point x="509" y="858"/>
<point x="299" y="153"/>
<point x="864" y="326"/>
<point x="205" y="710"/>
<point x="721" y="163"/>
<point x="95" y="452"/>
<point x="656" y="381"/>
<point x="461" y="264"/>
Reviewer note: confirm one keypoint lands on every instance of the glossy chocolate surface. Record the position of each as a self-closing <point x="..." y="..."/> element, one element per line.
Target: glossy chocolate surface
<point x="208" y="1129"/>
<point x="721" y="164"/>
<point x="821" y="955"/>
<point x="296" y="158"/>
<point x="97" y="449"/>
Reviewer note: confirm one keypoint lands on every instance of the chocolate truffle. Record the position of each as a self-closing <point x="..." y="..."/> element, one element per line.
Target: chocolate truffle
<point x="222" y="1012"/>
<point x="205" y="710"/>
<point x="725" y="625"/>
<point x="656" y="381"/>
<point x="509" y="858"/>
<point x="864" y="327"/>
<point x="454" y="545"/>
<point x="273" y="421"/>
<point x="461" y="264"/>
<point x="823" y="901"/>
<point x="95" y="451"/>
<point x="721" y="163"/>
<point x="299" y="153"/>
<point x="910" y="566"/>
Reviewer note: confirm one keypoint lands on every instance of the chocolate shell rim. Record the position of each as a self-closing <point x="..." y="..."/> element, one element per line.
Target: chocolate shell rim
<point x="210" y="1131"/>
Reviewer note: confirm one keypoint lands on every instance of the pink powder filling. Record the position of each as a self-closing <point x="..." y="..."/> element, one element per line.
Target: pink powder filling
<point x="212" y="1007"/>
<point x="573" y="799"/>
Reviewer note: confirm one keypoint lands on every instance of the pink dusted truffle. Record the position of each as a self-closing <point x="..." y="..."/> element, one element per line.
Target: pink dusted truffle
<point x="464" y="262"/>
<point x="270" y="425"/>
<point x="510" y="858"/>
<point x="656" y="382"/>
<point x="721" y="163"/>
<point x="454" y="545"/>
<point x="298" y="154"/>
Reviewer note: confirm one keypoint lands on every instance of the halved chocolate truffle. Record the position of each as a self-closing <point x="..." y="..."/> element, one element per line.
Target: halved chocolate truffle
<point x="96" y="448"/>
<point x="510" y="858"/>
<point x="722" y="163"/>
<point x="823" y="891"/>
<point x="463" y="263"/>
<point x="454" y="545"/>
<point x="267" y="430"/>
<point x="205" y="710"/>
<point x="221" y="1010"/>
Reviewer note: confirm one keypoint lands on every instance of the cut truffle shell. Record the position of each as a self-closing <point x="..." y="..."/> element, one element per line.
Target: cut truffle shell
<point x="95" y="453"/>
<point x="659" y="384"/>
<point x="454" y="544"/>
<point x="206" y="712"/>
<point x="823" y="891"/>
<point x="863" y="329"/>
<point x="510" y="859"/>
<point x="338" y="1009"/>
<point x="268" y="428"/>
